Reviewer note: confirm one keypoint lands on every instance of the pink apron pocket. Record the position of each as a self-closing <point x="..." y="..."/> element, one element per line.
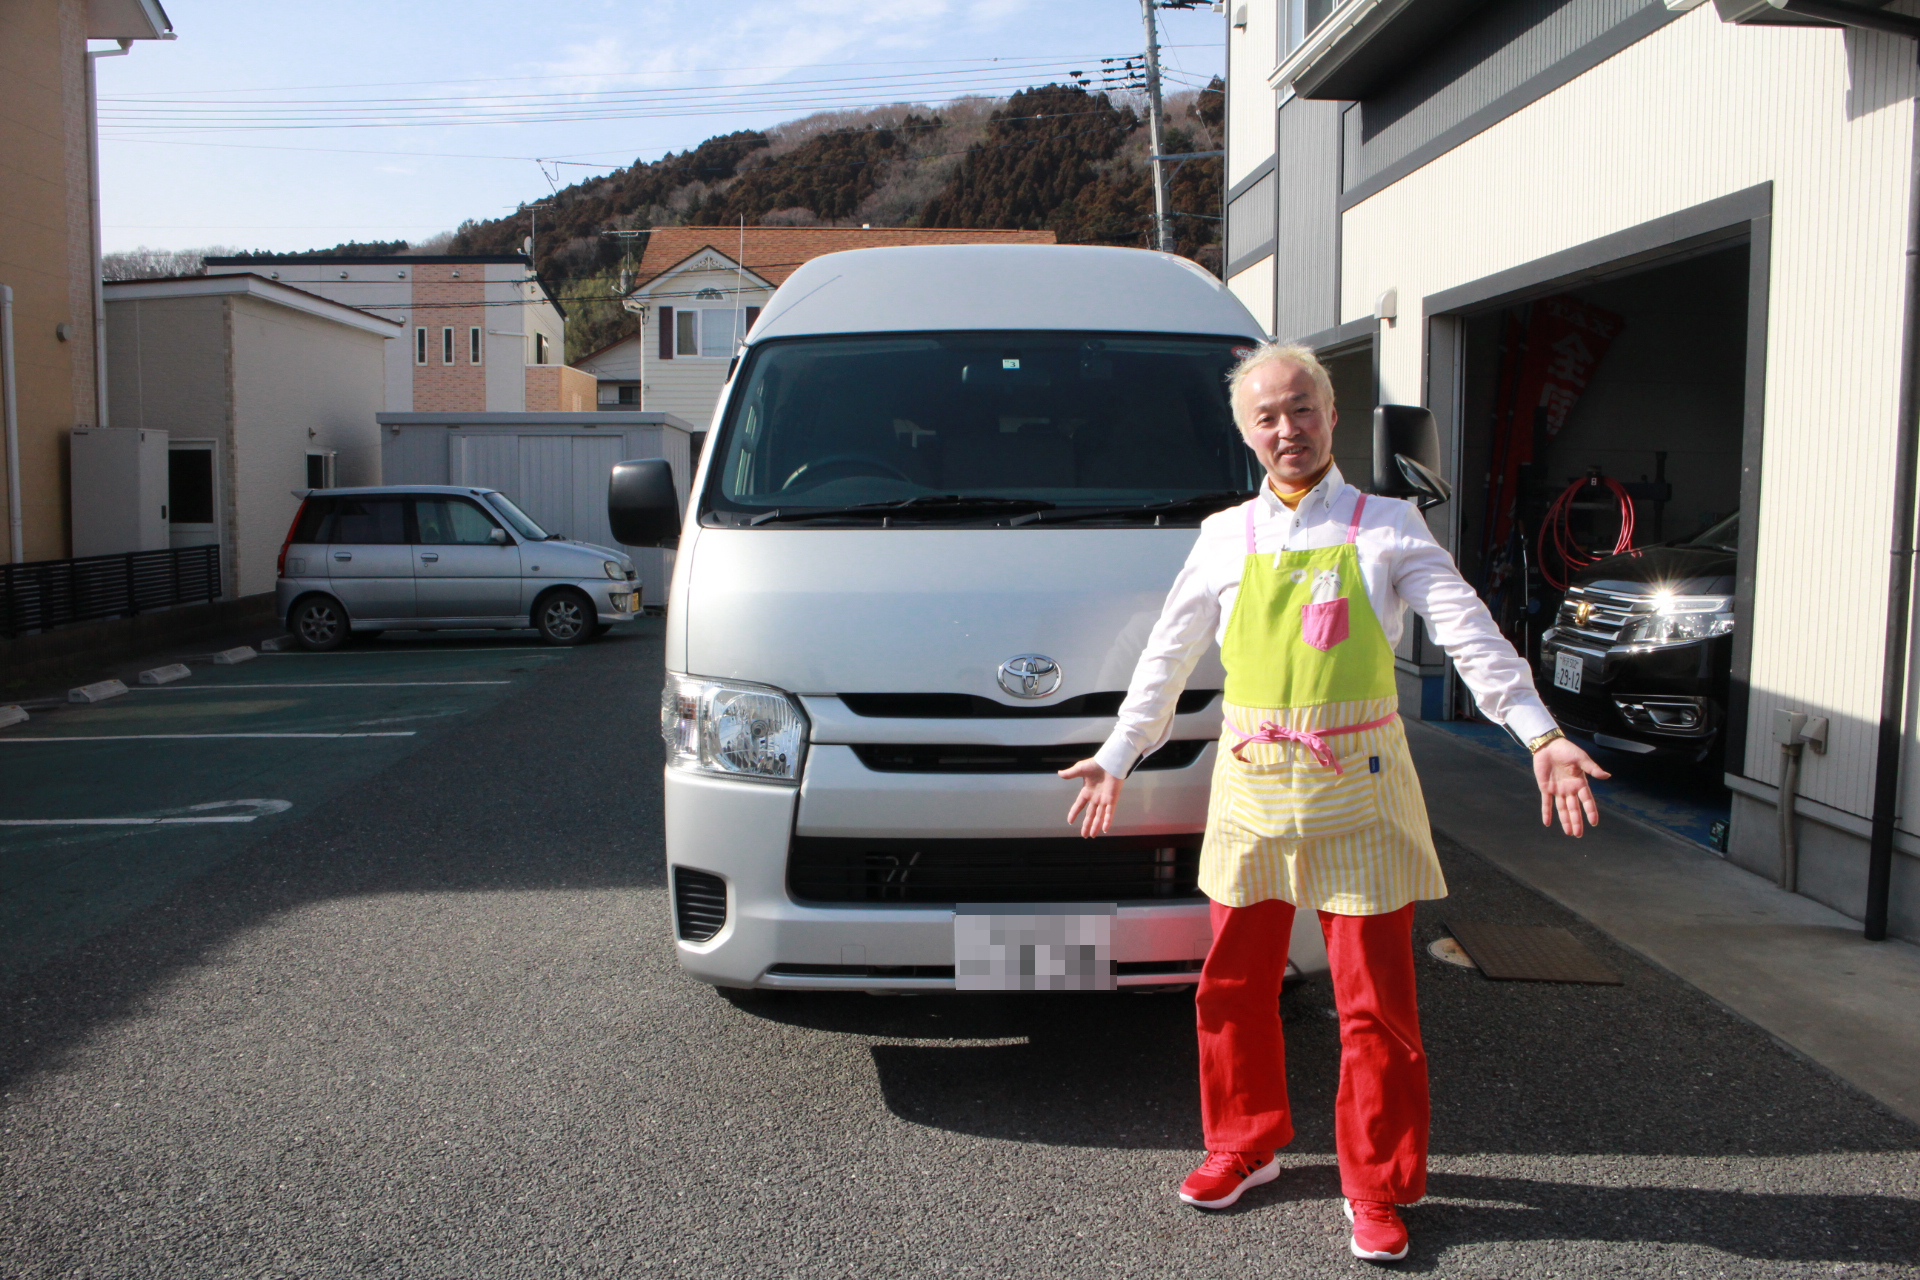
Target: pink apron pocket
<point x="1324" y="625"/>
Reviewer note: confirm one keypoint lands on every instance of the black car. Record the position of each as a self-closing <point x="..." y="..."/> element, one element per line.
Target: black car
<point x="1639" y="655"/>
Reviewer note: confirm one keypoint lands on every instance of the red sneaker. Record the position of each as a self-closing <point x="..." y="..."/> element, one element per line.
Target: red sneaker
<point x="1223" y="1175"/>
<point x="1378" y="1233"/>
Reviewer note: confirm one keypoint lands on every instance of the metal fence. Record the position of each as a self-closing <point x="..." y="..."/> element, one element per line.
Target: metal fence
<point x="49" y="593"/>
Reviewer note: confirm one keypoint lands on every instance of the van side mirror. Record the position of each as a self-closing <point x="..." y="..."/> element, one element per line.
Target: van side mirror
<point x="643" y="509"/>
<point x="1406" y="455"/>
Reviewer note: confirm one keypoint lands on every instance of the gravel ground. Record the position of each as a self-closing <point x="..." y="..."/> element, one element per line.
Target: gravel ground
<point x="436" y="1029"/>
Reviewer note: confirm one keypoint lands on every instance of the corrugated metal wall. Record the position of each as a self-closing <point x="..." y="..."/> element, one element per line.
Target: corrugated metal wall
<point x="1307" y="239"/>
<point x="1250" y="224"/>
<point x="1494" y="52"/>
<point x="1697" y="111"/>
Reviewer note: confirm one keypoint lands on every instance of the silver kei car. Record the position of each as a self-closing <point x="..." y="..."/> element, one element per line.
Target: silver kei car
<point x="432" y="557"/>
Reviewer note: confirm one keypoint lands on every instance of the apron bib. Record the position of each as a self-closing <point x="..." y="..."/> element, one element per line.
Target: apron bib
<point x="1314" y="797"/>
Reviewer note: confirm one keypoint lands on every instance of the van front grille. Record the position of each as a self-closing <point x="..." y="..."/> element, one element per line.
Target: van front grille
<point x="968" y="706"/>
<point x="918" y="757"/>
<point x="888" y="870"/>
<point x="699" y="904"/>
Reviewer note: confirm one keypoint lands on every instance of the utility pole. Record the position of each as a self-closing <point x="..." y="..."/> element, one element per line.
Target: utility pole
<point x="1162" y="228"/>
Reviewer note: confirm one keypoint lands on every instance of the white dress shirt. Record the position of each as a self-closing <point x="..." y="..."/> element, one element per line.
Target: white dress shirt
<point x="1401" y="565"/>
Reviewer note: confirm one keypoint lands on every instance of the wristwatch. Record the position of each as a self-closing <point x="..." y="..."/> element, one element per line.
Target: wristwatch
<point x="1551" y="735"/>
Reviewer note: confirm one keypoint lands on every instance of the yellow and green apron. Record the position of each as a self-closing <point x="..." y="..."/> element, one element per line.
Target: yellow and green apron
<point x="1314" y="798"/>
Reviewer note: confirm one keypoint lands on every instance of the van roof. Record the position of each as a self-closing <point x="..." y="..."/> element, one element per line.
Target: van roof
<point x="935" y="288"/>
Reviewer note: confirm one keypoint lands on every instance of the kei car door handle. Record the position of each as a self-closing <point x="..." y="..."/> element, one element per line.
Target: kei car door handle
<point x="429" y="555"/>
<point x="343" y="555"/>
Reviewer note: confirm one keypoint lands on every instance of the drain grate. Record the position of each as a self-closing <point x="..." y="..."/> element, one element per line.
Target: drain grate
<point x="1530" y="953"/>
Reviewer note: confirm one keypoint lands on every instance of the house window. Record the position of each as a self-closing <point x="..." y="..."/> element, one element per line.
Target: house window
<point x="1298" y="18"/>
<point x="539" y="348"/>
<point x="713" y="332"/>
<point x="320" y="468"/>
<point x="686" y="337"/>
<point x="446" y="346"/>
<point x="629" y="395"/>
<point x="420" y="345"/>
<point x="473" y="345"/>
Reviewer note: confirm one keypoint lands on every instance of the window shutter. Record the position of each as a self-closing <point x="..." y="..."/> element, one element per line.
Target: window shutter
<point x="753" y="313"/>
<point x="666" y="333"/>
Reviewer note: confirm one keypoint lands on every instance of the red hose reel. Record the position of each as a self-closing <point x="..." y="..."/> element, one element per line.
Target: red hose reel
<point x="1556" y="531"/>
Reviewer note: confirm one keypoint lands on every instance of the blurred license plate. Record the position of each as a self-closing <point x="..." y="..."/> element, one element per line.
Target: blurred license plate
<point x="1567" y="670"/>
<point x="1052" y="946"/>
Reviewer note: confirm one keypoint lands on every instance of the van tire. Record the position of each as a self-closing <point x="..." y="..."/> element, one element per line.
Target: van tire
<point x="565" y="617"/>
<point x="318" y="624"/>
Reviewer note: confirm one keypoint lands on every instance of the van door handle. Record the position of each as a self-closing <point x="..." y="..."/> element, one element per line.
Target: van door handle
<point x="343" y="555"/>
<point x="429" y="555"/>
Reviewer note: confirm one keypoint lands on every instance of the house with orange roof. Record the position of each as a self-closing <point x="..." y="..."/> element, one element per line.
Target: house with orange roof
<point x="698" y="291"/>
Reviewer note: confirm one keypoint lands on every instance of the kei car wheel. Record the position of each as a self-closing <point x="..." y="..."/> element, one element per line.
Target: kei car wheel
<point x="565" y="618"/>
<point x="319" y="625"/>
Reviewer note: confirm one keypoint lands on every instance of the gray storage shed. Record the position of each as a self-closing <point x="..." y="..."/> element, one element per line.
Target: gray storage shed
<point x="554" y="465"/>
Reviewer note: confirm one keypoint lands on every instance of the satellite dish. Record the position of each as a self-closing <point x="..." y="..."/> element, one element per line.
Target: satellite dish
<point x="526" y="247"/>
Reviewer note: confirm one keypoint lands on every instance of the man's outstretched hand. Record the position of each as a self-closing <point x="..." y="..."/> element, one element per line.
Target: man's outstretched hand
<point x="1099" y="793"/>
<point x="1561" y="770"/>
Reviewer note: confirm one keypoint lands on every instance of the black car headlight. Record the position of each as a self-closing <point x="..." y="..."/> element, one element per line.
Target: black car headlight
<point x="732" y="729"/>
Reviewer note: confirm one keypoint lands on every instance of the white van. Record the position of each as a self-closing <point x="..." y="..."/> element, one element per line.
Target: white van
<point x="944" y="495"/>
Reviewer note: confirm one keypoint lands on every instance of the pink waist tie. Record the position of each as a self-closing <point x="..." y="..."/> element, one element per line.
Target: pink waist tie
<point x="1313" y="740"/>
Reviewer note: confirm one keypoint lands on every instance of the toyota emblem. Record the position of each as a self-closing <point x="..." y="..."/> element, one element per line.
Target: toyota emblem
<point x="1030" y="675"/>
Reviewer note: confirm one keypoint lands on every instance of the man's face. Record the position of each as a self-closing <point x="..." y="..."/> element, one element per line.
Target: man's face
<point x="1285" y="423"/>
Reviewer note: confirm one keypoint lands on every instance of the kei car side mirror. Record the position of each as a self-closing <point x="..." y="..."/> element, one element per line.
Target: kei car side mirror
<point x="1406" y="455"/>
<point x="497" y="536"/>
<point x="643" y="508"/>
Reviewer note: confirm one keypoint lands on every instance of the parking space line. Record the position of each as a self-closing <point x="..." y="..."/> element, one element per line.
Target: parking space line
<point x="119" y="822"/>
<point x="150" y="737"/>
<point x="345" y="684"/>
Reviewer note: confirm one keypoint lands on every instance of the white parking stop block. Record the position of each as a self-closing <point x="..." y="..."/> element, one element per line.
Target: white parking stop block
<point x="234" y="657"/>
<point x="99" y="691"/>
<point x="165" y="675"/>
<point x="274" y="644"/>
<point x="12" y="715"/>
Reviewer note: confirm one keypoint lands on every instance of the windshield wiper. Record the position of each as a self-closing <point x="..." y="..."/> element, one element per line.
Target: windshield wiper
<point x="952" y="504"/>
<point x="1199" y="504"/>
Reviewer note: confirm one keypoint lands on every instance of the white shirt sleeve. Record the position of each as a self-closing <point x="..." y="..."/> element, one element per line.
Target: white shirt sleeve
<point x="1185" y="629"/>
<point x="1425" y="576"/>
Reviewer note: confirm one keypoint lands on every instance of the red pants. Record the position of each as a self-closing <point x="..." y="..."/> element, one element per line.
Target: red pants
<point x="1382" y="1114"/>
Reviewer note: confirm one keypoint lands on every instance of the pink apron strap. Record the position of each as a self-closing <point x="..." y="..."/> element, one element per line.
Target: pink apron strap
<point x="1353" y="525"/>
<point x="1250" y="507"/>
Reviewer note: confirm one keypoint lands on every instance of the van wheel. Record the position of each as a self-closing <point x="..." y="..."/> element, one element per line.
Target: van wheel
<point x="565" y="618"/>
<point x="318" y="624"/>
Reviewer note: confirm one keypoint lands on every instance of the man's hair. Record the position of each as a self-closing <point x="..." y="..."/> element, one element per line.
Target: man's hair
<point x="1279" y="353"/>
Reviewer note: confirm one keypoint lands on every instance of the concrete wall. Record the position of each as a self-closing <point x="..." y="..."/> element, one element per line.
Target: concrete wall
<point x="46" y="254"/>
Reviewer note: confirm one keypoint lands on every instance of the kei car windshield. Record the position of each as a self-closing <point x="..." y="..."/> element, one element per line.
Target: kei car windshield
<point x="1061" y="419"/>
<point x="522" y="522"/>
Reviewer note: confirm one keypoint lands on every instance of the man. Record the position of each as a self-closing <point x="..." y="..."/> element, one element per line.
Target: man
<point x="1315" y="804"/>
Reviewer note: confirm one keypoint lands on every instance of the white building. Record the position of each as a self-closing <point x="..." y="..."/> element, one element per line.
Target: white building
<point x="483" y="333"/>
<point x="262" y="390"/>
<point x="1414" y="184"/>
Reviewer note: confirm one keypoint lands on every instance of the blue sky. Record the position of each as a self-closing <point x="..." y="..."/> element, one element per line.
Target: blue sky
<point x="272" y="125"/>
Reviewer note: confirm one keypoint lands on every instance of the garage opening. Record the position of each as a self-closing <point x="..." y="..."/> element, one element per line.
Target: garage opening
<point x="1598" y="511"/>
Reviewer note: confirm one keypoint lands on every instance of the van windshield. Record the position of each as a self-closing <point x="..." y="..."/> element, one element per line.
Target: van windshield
<point x="1035" y="419"/>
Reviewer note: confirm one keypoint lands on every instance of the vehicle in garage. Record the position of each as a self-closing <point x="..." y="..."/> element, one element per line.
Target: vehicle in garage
<point x="1639" y="655"/>
<point x="424" y="557"/>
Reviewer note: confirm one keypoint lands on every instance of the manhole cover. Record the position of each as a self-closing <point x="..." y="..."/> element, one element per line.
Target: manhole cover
<point x="1450" y="952"/>
<point x="1530" y="953"/>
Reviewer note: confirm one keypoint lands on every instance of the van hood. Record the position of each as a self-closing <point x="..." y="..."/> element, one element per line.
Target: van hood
<point x="828" y="611"/>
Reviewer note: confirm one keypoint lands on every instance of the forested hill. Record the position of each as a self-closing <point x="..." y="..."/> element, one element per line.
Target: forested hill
<point x="1054" y="158"/>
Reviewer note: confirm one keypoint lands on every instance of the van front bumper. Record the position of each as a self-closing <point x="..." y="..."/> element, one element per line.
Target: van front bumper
<point x="742" y="832"/>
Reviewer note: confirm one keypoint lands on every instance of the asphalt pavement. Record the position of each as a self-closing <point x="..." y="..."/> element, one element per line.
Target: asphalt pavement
<point x="426" y="1021"/>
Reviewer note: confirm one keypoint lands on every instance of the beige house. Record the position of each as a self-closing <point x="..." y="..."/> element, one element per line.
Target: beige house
<point x="50" y="245"/>
<point x="701" y="288"/>
<point x="483" y="333"/>
<point x="262" y="390"/>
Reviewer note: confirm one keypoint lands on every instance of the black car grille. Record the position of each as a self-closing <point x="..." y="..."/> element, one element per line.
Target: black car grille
<point x="918" y="757"/>
<point x="967" y="706"/>
<point x="1110" y="869"/>
<point x="699" y="904"/>
<point x="1607" y="613"/>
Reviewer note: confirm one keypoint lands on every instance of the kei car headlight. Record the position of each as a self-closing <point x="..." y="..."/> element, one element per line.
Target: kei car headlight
<point x="614" y="570"/>
<point x="733" y="729"/>
<point x="1678" y="619"/>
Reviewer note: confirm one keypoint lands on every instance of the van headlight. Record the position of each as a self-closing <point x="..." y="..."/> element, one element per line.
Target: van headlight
<point x="733" y="729"/>
<point x="1678" y="619"/>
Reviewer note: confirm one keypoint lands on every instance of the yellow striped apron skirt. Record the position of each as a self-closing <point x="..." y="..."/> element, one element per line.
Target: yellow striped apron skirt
<point x="1283" y="825"/>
